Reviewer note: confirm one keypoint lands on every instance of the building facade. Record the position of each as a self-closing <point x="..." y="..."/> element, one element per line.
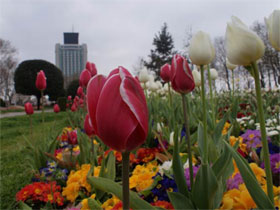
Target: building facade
<point x="70" y="57"/>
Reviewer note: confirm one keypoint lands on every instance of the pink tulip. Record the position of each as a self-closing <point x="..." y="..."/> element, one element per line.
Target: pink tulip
<point x="80" y="91"/>
<point x="73" y="107"/>
<point x="56" y="108"/>
<point x="92" y="68"/>
<point x="94" y="88"/>
<point x="182" y="80"/>
<point x="41" y="82"/>
<point x="28" y="108"/>
<point x="121" y="111"/>
<point x="84" y="78"/>
<point x="88" y="126"/>
<point x="166" y="73"/>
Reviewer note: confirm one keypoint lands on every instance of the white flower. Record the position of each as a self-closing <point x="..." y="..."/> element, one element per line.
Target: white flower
<point x="230" y="65"/>
<point x="201" y="49"/>
<point x="242" y="44"/>
<point x="273" y="133"/>
<point x="213" y="74"/>
<point x="251" y="122"/>
<point x="144" y="76"/>
<point x="273" y="28"/>
<point x="196" y="77"/>
<point x="159" y="126"/>
<point x="165" y="166"/>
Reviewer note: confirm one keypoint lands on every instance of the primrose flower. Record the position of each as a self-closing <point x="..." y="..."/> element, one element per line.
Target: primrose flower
<point x="252" y="138"/>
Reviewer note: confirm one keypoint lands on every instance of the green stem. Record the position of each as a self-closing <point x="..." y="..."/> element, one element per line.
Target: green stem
<point x="125" y="179"/>
<point x="188" y="137"/>
<point x="42" y="96"/>
<point x="169" y="93"/>
<point x="263" y="133"/>
<point x="205" y="159"/>
<point x="92" y="150"/>
<point x="30" y="123"/>
<point x="211" y="95"/>
<point x="232" y="85"/>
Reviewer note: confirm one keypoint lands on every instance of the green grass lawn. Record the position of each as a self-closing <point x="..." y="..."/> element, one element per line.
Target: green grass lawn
<point x="14" y="169"/>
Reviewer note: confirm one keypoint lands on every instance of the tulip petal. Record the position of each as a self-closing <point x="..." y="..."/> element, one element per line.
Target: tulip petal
<point x="115" y="121"/>
<point x="94" y="88"/>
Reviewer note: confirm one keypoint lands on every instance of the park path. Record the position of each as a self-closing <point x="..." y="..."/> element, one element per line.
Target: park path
<point x="14" y="114"/>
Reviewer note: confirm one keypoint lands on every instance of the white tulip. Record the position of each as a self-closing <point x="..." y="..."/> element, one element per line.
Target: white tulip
<point x="213" y="74"/>
<point x="242" y="44"/>
<point x="144" y="76"/>
<point x="159" y="126"/>
<point x="230" y="65"/>
<point x="159" y="85"/>
<point x="196" y="77"/>
<point x="201" y="51"/>
<point x="273" y="28"/>
<point x="152" y="86"/>
<point x="272" y="133"/>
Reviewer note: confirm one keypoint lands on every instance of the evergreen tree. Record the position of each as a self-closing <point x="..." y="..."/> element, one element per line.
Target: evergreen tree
<point x="162" y="53"/>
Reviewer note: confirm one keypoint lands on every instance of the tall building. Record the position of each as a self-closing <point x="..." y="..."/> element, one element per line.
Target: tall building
<point x="70" y="57"/>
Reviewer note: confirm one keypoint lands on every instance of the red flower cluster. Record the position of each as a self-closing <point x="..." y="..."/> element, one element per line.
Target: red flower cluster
<point x="146" y="155"/>
<point x="118" y="206"/>
<point x="41" y="191"/>
<point x="163" y="204"/>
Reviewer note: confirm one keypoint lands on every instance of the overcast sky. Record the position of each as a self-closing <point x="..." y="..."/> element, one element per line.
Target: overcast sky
<point x="117" y="32"/>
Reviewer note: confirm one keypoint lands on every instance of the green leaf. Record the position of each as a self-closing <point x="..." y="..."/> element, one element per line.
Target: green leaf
<point x="222" y="163"/>
<point x="24" y="206"/>
<point x="92" y="204"/>
<point x="234" y="108"/>
<point x="254" y="188"/>
<point x="205" y="187"/>
<point x="178" y="171"/>
<point x="219" y="194"/>
<point x="111" y="167"/>
<point x="179" y="201"/>
<point x="200" y="140"/>
<point x="219" y="128"/>
<point x="109" y="186"/>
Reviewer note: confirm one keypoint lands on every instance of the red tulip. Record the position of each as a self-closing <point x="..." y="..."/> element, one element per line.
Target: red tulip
<point x="166" y="73"/>
<point x="69" y="98"/>
<point x="41" y="82"/>
<point x="28" y="108"/>
<point x="94" y="88"/>
<point x="182" y="80"/>
<point x="80" y="91"/>
<point x="73" y="107"/>
<point x="88" y="126"/>
<point x="56" y="108"/>
<point x="121" y="111"/>
<point x="92" y="68"/>
<point x="72" y="137"/>
<point x="84" y="78"/>
<point x="76" y="98"/>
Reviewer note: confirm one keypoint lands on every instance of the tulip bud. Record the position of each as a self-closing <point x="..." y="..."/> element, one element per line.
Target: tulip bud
<point x="273" y="28"/>
<point x="201" y="51"/>
<point x="72" y="137"/>
<point x="182" y="81"/>
<point x="196" y="77"/>
<point x="242" y="44"/>
<point x="91" y="68"/>
<point x="73" y="107"/>
<point x="171" y="138"/>
<point x="28" y="108"/>
<point x="80" y="91"/>
<point x="56" y="108"/>
<point x="143" y="76"/>
<point x="152" y="86"/>
<point x="166" y="73"/>
<point x="213" y="74"/>
<point x="230" y="65"/>
<point x="41" y="82"/>
<point x="84" y="78"/>
<point x="88" y="126"/>
<point x="69" y="98"/>
<point x="124" y="126"/>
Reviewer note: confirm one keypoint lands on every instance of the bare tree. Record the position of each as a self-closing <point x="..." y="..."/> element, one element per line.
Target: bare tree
<point x="8" y="62"/>
<point x="138" y="66"/>
<point x="187" y="41"/>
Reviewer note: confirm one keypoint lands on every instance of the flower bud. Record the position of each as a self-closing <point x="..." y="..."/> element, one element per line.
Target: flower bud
<point x="41" y="82"/>
<point x="166" y="73"/>
<point x="273" y="28"/>
<point x="201" y="51"/>
<point x="242" y="44"/>
<point x="143" y="76"/>
<point x="84" y="78"/>
<point x="28" y="108"/>
<point x="91" y="68"/>
<point x="56" y="108"/>
<point x="213" y="74"/>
